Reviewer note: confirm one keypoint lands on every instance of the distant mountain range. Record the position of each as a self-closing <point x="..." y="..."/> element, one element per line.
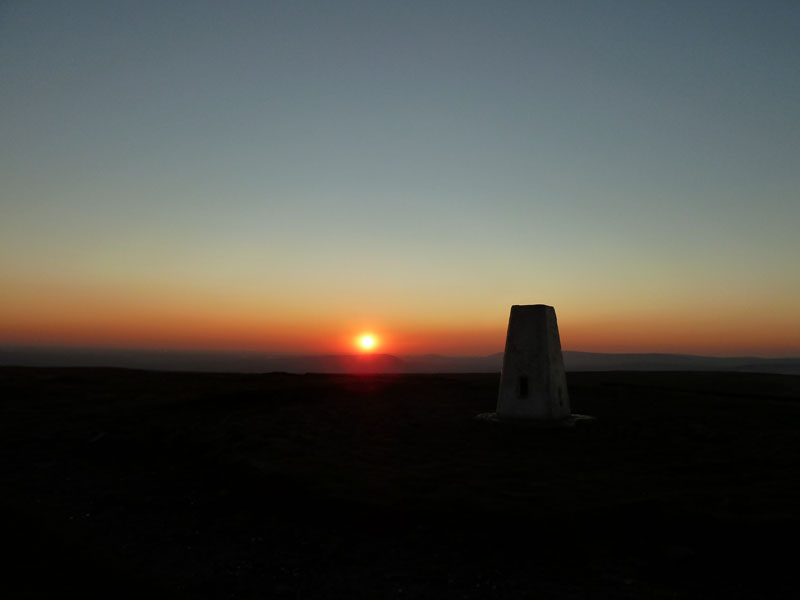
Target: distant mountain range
<point x="255" y="362"/>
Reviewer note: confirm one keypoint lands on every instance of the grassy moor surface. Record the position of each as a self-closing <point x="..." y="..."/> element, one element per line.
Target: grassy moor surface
<point x="134" y="484"/>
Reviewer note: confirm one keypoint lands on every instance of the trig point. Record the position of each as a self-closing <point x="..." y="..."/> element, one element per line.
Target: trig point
<point x="533" y="384"/>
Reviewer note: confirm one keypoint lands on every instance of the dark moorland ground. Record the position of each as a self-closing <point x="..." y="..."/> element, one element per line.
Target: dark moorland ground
<point x="136" y="484"/>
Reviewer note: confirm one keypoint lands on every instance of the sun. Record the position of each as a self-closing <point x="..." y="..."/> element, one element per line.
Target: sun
<point x="366" y="342"/>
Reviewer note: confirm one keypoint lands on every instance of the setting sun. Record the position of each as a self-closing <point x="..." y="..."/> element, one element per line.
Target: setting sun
<point x="367" y="342"/>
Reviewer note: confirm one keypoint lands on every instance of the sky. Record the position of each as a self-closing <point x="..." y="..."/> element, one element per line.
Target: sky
<point x="283" y="176"/>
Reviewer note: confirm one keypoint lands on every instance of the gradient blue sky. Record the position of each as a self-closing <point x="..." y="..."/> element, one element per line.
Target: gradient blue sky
<point x="283" y="175"/>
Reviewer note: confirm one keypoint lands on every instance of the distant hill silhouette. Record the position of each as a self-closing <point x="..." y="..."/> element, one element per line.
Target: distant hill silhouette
<point x="256" y="362"/>
<point x="337" y="363"/>
<point x="595" y="361"/>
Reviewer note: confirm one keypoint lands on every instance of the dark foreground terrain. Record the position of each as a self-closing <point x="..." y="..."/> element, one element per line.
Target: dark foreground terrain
<point x="141" y="484"/>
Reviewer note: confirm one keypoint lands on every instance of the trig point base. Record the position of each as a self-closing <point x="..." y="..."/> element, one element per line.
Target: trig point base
<point x="533" y="383"/>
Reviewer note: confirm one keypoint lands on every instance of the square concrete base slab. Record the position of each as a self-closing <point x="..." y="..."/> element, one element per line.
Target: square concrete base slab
<point x="569" y="421"/>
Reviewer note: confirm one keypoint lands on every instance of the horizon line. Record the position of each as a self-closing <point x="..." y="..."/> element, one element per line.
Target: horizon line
<point x="290" y="354"/>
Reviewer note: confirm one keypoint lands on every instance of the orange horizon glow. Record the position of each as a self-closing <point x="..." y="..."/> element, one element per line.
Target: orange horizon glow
<point x="55" y="316"/>
<point x="230" y="335"/>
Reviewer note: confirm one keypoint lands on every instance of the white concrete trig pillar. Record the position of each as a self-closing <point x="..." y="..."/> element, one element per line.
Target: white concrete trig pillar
<point x="533" y="383"/>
